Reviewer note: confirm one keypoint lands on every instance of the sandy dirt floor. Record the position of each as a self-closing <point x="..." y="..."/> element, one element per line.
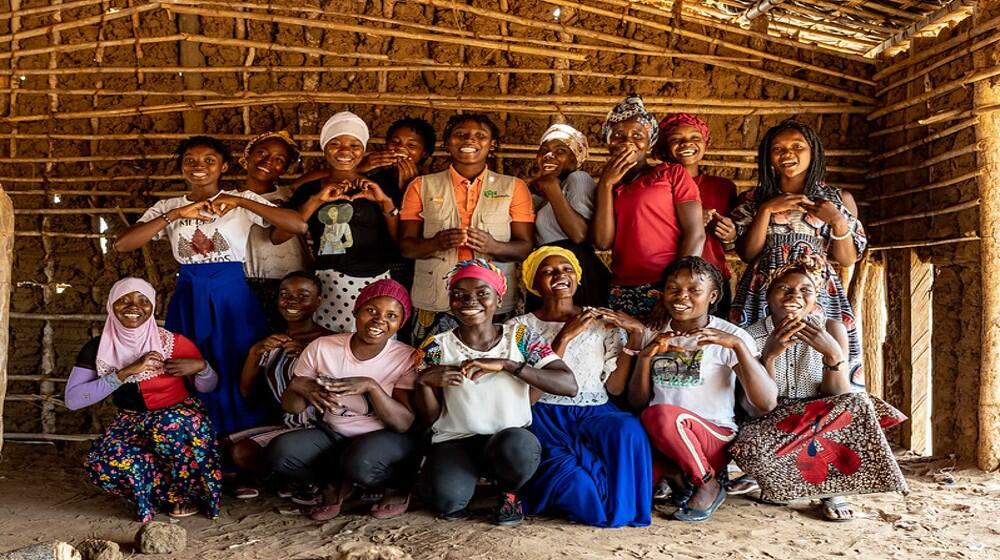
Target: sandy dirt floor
<point x="950" y="513"/>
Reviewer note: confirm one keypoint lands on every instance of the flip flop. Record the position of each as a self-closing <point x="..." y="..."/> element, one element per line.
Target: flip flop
<point x="331" y="510"/>
<point x="246" y="493"/>
<point x="181" y="511"/>
<point x="837" y="510"/>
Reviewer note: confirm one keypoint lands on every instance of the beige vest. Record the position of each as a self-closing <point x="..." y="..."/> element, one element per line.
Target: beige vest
<point x="440" y="211"/>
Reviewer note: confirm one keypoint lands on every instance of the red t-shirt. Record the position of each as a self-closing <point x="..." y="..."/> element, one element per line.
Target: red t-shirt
<point x="646" y="226"/>
<point x="719" y="194"/>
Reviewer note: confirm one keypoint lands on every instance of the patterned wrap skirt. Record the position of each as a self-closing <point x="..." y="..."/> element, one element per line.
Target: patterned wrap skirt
<point x="637" y="301"/>
<point x="157" y="459"/>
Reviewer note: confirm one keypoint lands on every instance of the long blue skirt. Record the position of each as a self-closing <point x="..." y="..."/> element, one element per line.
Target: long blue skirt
<point x="213" y="306"/>
<point x="596" y="466"/>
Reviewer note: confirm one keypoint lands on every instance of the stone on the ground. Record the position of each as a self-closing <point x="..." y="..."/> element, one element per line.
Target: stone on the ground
<point x="161" y="538"/>
<point x="99" y="549"/>
<point x="368" y="551"/>
<point x="46" y="551"/>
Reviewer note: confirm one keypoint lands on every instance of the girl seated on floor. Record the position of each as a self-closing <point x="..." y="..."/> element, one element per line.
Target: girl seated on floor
<point x="474" y="391"/>
<point x="160" y="451"/>
<point x="596" y="466"/>
<point x="361" y="382"/>
<point x="267" y="373"/>
<point x="685" y="380"/>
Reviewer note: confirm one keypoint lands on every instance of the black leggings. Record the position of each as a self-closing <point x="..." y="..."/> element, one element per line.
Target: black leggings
<point x="373" y="460"/>
<point x="510" y="457"/>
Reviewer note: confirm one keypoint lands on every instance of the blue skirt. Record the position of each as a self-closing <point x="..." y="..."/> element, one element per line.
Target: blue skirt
<point x="213" y="306"/>
<point x="596" y="466"/>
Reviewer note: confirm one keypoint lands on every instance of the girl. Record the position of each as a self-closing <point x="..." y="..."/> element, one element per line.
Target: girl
<point x="596" y="464"/>
<point x="268" y="371"/>
<point x="685" y="379"/>
<point x="212" y="305"/>
<point x="464" y="212"/>
<point x="159" y="452"/>
<point x="361" y="382"/>
<point x="474" y="392"/>
<point x="564" y="204"/>
<point x="353" y="223"/>
<point x="648" y="216"/>
<point x="790" y="213"/>
<point x="807" y="356"/>
<point x="266" y="158"/>
<point x="683" y="140"/>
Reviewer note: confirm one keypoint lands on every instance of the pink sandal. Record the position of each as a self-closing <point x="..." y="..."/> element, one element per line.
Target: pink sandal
<point x="330" y="510"/>
<point x="389" y="511"/>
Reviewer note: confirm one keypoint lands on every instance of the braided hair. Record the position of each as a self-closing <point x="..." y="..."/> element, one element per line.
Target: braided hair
<point x="481" y="119"/>
<point x="697" y="266"/>
<point x="768" y="179"/>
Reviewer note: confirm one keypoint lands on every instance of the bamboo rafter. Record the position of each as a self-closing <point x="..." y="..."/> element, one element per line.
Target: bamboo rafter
<point x="926" y="214"/>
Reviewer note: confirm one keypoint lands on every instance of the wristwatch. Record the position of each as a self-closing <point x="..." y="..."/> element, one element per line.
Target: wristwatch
<point x="392" y="213"/>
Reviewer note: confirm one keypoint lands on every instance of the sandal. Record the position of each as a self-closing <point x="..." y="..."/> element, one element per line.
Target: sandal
<point x="742" y="485"/>
<point x="383" y="510"/>
<point x="837" y="509"/>
<point x="180" y="511"/>
<point x="331" y="507"/>
<point x="246" y="493"/>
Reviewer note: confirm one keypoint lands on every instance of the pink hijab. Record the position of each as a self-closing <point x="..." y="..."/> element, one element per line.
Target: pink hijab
<point x="121" y="346"/>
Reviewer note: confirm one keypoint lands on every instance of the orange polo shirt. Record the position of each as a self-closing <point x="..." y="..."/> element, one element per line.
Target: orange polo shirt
<point x="466" y="195"/>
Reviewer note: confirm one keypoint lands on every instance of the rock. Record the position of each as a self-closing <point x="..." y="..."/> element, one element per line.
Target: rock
<point x="46" y="551"/>
<point x="367" y="551"/>
<point x="97" y="549"/>
<point x="161" y="538"/>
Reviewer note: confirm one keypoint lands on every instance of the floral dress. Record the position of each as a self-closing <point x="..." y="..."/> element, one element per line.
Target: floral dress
<point x="790" y="234"/>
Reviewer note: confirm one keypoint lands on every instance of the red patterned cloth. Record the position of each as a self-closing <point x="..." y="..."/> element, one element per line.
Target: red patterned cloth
<point x="833" y="446"/>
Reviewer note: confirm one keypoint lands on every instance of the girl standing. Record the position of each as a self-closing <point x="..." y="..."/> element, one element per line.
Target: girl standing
<point x="212" y="304"/>
<point x="794" y="212"/>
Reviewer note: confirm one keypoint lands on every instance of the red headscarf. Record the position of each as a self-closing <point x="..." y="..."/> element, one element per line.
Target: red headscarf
<point x="672" y="121"/>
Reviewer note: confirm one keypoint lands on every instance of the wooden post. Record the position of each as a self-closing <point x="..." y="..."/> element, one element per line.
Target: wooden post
<point x="988" y="133"/>
<point x="6" y="266"/>
<point x="190" y="55"/>
<point x="868" y="298"/>
<point x="917" y="320"/>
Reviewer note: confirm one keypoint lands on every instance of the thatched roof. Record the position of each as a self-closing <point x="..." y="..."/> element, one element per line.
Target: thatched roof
<point x="857" y="26"/>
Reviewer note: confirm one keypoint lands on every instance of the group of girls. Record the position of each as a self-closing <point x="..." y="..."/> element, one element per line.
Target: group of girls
<point x="287" y="335"/>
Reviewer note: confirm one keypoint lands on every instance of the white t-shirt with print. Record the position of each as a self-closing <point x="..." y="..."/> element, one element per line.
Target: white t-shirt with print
<point x="700" y="380"/>
<point x="267" y="260"/>
<point x="221" y="239"/>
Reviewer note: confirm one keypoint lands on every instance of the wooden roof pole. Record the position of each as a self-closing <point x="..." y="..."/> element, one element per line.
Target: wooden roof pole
<point x="988" y="133"/>
<point x="956" y="10"/>
<point x="6" y="264"/>
<point x="757" y="10"/>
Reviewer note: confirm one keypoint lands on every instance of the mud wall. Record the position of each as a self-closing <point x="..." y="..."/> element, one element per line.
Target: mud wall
<point x="923" y="189"/>
<point x="96" y="97"/>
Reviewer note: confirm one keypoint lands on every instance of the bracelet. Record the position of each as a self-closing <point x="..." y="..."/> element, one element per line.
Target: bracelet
<point x="850" y="231"/>
<point x="166" y="218"/>
<point x="834" y="367"/>
<point x="630" y="351"/>
<point x="517" y="371"/>
<point x="392" y="213"/>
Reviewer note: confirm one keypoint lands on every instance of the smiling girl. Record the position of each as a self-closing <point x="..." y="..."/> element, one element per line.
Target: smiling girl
<point x="685" y="380"/>
<point x="464" y="212"/>
<point x="212" y="305"/>
<point x="266" y="158"/>
<point x="352" y="222"/>
<point x="794" y="212"/>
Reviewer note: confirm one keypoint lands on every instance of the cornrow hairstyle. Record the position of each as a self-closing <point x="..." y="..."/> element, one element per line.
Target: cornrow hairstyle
<point x="768" y="179"/>
<point x="305" y="275"/>
<point x="700" y="267"/>
<point x="423" y="129"/>
<point x="480" y="119"/>
<point x="205" y="141"/>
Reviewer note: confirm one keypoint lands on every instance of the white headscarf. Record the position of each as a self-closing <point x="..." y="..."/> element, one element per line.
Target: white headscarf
<point x="341" y="124"/>
<point x="573" y="138"/>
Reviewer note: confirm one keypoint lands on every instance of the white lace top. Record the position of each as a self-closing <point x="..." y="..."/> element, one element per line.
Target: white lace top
<point x="593" y="357"/>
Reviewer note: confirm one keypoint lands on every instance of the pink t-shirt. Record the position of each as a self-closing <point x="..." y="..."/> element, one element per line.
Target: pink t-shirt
<point x="330" y="356"/>
<point x="647" y="231"/>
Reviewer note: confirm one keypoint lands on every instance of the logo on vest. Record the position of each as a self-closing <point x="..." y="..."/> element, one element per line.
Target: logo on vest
<point x="494" y="194"/>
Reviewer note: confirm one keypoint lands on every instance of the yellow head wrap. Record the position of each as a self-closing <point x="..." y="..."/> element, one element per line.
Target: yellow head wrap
<point x="810" y="265"/>
<point x="530" y="266"/>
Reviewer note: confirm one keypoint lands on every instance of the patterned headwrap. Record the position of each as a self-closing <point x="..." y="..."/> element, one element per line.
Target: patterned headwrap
<point x="480" y="269"/>
<point x="810" y="265"/>
<point x="630" y="108"/>
<point x="673" y="120"/>
<point x="573" y="138"/>
<point x="530" y="265"/>
<point x="283" y="135"/>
